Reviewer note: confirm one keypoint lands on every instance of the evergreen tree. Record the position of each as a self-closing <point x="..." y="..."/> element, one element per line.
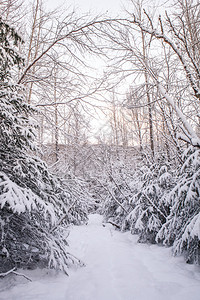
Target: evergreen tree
<point x="33" y="202"/>
<point x="150" y="209"/>
<point x="182" y="225"/>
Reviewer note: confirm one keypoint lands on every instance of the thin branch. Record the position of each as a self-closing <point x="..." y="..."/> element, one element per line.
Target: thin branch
<point x="163" y="37"/>
<point x="61" y="38"/>
<point x="154" y="206"/>
<point x="141" y="106"/>
<point x="113" y="197"/>
<point x="7" y="273"/>
<point x="20" y="274"/>
<point x="12" y="271"/>
<point x="64" y="216"/>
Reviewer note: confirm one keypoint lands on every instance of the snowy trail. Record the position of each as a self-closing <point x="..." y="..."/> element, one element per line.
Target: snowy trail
<point x="117" y="268"/>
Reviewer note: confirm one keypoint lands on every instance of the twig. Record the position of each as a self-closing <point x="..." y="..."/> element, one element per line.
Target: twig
<point x="113" y="197"/>
<point x="63" y="217"/>
<point x="7" y="273"/>
<point x="20" y="274"/>
<point x="112" y="223"/>
<point x="14" y="272"/>
<point x="154" y="206"/>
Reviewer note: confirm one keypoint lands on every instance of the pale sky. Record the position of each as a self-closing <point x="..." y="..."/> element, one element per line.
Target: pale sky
<point x="96" y="6"/>
<point x="112" y="7"/>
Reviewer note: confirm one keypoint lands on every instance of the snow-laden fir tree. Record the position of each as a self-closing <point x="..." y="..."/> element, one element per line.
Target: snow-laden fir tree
<point x="33" y="202"/>
<point x="150" y="209"/>
<point x="182" y="227"/>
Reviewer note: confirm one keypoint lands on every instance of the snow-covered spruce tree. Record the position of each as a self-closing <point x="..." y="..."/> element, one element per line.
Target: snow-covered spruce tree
<point x="33" y="203"/>
<point x="150" y="209"/>
<point x="182" y="228"/>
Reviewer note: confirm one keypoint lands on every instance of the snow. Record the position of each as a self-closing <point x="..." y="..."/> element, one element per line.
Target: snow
<point x="188" y="127"/>
<point x="116" y="268"/>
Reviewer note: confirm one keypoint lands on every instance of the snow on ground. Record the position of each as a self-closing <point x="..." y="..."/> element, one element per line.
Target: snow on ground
<point x="117" y="268"/>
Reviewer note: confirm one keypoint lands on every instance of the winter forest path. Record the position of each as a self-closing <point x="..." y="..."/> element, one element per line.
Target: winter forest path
<point x="117" y="268"/>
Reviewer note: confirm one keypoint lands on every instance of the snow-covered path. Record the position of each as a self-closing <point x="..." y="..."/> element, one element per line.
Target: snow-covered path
<point x="117" y="268"/>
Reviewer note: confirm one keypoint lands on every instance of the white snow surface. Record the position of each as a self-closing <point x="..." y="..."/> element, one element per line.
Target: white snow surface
<point x="117" y="268"/>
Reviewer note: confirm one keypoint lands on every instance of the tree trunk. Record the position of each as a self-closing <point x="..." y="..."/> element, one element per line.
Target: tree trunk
<point x="148" y="98"/>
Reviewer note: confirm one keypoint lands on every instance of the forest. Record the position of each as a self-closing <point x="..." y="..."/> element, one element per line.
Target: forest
<point x="98" y="114"/>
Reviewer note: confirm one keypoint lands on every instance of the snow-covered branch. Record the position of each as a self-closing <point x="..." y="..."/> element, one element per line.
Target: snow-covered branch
<point x="12" y="271"/>
<point x="194" y="140"/>
<point x="160" y="35"/>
